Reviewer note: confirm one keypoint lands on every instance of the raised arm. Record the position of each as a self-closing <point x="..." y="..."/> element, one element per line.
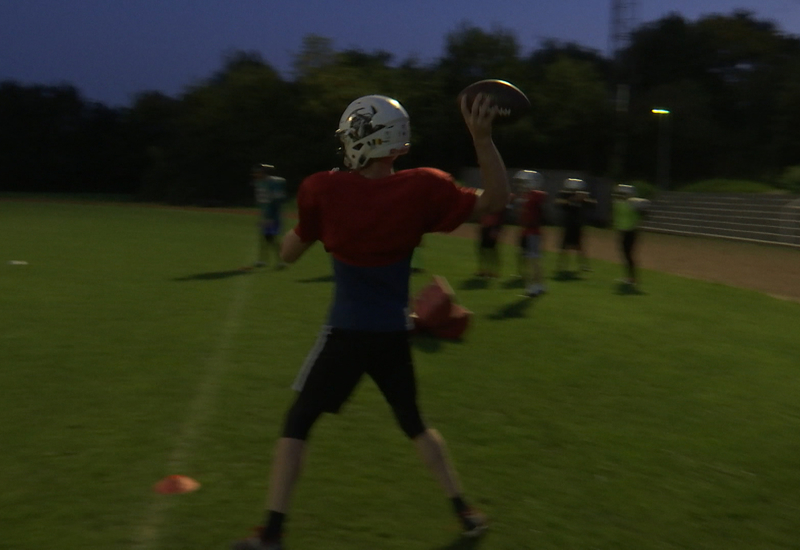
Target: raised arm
<point x="292" y="247"/>
<point x="496" y="192"/>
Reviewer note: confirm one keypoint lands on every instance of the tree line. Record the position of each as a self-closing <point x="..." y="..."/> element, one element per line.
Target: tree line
<point x="730" y="82"/>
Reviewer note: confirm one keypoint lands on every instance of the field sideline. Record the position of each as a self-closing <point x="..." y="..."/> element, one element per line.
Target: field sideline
<point x="770" y="269"/>
<point x="135" y="348"/>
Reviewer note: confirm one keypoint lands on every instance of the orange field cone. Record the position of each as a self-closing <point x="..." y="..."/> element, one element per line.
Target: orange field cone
<point x="176" y="484"/>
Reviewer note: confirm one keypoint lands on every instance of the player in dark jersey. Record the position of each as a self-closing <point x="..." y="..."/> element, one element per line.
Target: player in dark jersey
<point x="369" y="220"/>
<point x="575" y="202"/>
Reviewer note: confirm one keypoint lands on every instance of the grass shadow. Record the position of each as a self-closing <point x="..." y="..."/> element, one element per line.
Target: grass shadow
<point x="214" y="275"/>
<point x="428" y="343"/>
<point x="515" y="282"/>
<point x="625" y="289"/>
<point x="474" y="283"/>
<point x="321" y="279"/>
<point x="564" y="276"/>
<point x="462" y="543"/>
<point x="515" y="310"/>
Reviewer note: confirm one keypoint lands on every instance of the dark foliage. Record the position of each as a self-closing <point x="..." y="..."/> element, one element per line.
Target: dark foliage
<point x="730" y="82"/>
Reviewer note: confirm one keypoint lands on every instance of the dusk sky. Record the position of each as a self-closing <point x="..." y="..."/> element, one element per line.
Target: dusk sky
<point x="110" y="50"/>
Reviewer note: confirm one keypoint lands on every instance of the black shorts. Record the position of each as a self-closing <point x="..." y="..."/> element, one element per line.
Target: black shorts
<point x="572" y="237"/>
<point x="489" y="237"/>
<point x="339" y="359"/>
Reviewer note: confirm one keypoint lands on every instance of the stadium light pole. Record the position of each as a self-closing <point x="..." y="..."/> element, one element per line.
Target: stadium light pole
<point x="663" y="148"/>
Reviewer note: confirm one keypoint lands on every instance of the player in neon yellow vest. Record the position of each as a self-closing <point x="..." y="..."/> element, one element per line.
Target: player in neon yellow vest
<point x="628" y="212"/>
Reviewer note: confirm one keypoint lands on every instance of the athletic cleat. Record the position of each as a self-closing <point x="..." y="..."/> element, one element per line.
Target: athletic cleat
<point x="473" y="522"/>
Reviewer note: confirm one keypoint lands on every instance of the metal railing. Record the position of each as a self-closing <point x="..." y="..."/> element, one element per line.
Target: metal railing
<point x="790" y="223"/>
<point x="773" y="219"/>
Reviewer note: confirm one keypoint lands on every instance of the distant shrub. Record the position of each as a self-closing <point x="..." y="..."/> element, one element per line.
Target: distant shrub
<point x="729" y="186"/>
<point x="790" y="180"/>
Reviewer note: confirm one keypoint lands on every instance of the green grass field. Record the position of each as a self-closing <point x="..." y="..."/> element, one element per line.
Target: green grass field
<point x="132" y="349"/>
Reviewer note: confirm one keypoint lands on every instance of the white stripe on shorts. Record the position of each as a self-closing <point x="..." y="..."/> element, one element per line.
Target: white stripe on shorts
<point x="305" y="370"/>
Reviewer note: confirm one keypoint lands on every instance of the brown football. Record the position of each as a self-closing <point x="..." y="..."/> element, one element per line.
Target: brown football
<point x="512" y="102"/>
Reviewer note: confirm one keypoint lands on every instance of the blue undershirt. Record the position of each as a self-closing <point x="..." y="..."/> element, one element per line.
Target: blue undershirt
<point x="371" y="298"/>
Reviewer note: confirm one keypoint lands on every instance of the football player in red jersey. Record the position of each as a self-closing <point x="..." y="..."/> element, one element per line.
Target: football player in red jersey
<point x="369" y="219"/>
<point x="531" y="219"/>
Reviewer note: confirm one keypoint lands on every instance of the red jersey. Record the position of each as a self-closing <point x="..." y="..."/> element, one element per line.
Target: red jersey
<point x="493" y="220"/>
<point x="532" y="215"/>
<point x="372" y="222"/>
<point x="370" y="227"/>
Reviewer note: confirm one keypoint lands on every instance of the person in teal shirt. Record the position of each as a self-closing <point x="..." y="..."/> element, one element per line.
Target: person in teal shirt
<point x="628" y="211"/>
<point x="270" y="194"/>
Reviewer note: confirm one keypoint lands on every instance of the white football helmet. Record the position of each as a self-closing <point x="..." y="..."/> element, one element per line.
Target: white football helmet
<point x="574" y="184"/>
<point x="528" y="179"/>
<point x="373" y="126"/>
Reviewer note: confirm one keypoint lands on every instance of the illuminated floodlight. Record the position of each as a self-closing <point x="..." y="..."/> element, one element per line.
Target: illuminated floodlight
<point x="664" y="139"/>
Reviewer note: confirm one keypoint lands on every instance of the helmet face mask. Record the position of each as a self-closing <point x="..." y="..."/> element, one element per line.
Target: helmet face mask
<point x="371" y="127"/>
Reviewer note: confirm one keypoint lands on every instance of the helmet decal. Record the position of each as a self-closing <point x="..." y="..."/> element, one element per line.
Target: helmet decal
<point x="372" y="127"/>
<point x="361" y="123"/>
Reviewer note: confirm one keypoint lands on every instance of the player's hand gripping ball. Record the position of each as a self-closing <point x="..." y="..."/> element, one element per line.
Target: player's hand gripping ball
<point x="511" y="102"/>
